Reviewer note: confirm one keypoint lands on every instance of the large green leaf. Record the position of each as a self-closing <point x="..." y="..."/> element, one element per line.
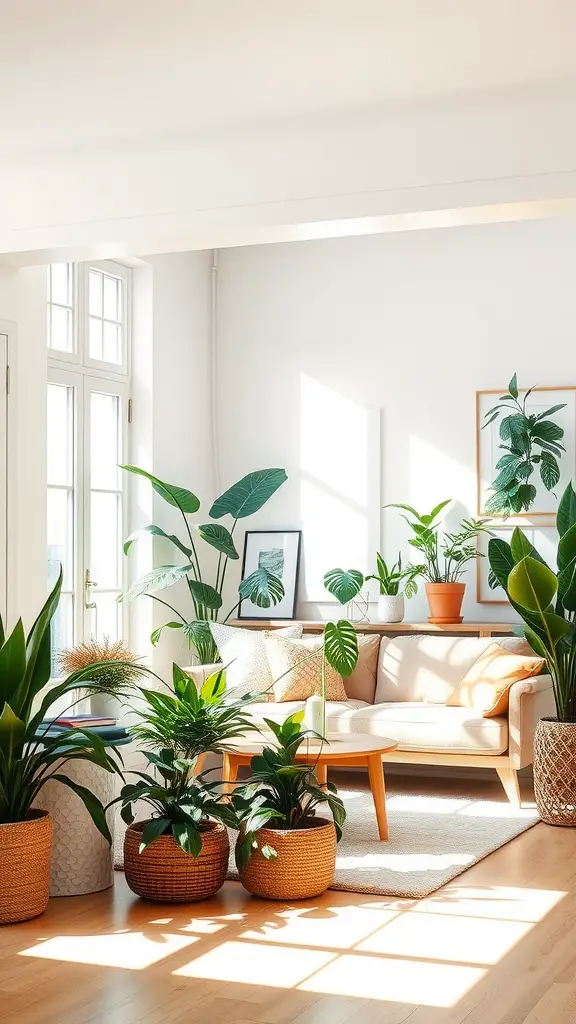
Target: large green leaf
<point x="12" y="730"/>
<point x="547" y="430"/>
<point x="218" y="537"/>
<point x="188" y="838"/>
<point x="536" y="643"/>
<point x="566" y="516"/>
<point x="205" y="595"/>
<point x="532" y="585"/>
<point x="12" y="662"/>
<point x="567" y="548"/>
<point x="156" y="531"/>
<point x="153" y="830"/>
<point x="567" y="587"/>
<point x="556" y="626"/>
<point x="157" y="633"/>
<point x="520" y="547"/>
<point x="513" y="386"/>
<point x="38" y="651"/>
<point x="501" y="560"/>
<point x="549" y="470"/>
<point x="179" y="497"/>
<point x="341" y="646"/>
<point x="91" y="803"/>
<point x="160" y="578"/>
<point x="248" y="495"/>
<point x="344" y="584"/>
<point x="262" y="587"/>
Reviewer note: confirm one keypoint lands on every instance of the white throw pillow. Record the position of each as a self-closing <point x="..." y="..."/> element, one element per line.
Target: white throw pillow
<point x="243" y="651"/>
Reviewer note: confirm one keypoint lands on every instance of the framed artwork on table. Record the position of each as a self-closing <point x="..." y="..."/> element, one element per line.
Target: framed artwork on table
<point x="279" y="552"/>
<point x="544" y="537"/>
<point x="489" y="446"/>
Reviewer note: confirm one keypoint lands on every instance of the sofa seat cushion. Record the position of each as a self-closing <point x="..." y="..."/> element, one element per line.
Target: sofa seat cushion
<point x="337" y="711"/>
<point x="428" y="727"/>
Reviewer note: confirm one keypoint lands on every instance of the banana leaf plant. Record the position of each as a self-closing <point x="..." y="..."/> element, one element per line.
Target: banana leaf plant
<point x="545" y="600"/>
<point x="262" y="587"/>
<point x="30" y="756"/>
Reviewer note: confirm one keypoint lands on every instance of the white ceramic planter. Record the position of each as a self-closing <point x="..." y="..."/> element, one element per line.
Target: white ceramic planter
<point x="390" y="609"/>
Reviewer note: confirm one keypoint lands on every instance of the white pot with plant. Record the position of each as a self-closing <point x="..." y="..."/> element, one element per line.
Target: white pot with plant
<point x="394" y="582"/>
<point x="445" y="557"/>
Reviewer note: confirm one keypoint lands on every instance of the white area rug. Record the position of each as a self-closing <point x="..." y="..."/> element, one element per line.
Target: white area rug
<point x="432" y="840"/>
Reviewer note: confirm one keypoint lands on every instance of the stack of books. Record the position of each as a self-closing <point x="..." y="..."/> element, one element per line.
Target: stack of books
<point x="83" y="721"/>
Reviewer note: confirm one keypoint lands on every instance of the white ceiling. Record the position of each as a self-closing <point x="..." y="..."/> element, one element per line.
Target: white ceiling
<point x="117" y="111"/>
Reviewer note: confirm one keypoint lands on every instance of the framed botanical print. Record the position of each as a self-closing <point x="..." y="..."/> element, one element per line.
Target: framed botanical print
<point x="544" y="537"/>
<point x="536" y="458"/>
<point x="279" y="552"/>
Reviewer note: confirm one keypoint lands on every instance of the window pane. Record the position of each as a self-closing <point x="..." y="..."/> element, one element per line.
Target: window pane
<point x="112" y="343"/>
<point x="60" y="434"/>
<point x="62" y="629"/>
<point x="95" y="296"/>
<point x="60" y="515"/>
<point x="61" y="283"/>
<point x="106" y="539"/>
<point x="111" y="304"/>
<point x="60" y="328"/>
<point x="105" y="440"/>
<point x="95" y="338"/>
<point x="107" y="616"/>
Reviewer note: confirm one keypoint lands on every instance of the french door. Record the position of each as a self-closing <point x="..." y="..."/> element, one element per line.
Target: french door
<point x="87" y="443"/>
<point x="3" y="474"/>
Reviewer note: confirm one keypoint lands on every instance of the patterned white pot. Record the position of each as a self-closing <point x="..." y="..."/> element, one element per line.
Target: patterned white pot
<point x="390" y="609"/>
<point x="82" y="861"/>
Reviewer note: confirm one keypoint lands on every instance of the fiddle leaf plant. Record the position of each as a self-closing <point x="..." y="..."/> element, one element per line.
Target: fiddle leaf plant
<point x="262" y="587"/>
<point x="530" y="441"/>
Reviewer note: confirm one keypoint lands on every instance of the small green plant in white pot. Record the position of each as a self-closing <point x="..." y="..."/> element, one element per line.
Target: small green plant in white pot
<point x="395" y="582"/>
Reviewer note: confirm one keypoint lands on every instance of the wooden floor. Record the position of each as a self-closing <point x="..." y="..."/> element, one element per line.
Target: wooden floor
<point x="497" y="946"/>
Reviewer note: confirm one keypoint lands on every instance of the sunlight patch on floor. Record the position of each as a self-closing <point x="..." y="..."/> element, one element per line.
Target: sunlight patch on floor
<point x="477" y="941"/>
<point x="244" y="962"/>
<point x="133" y="951"/>
<point x="336" y="927"/>
<point x="502" y="902"/>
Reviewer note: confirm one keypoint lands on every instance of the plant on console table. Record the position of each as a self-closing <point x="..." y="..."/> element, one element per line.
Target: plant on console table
<point x="394" y="582"/>
<point x="445" y="557"/>
<point x="284" y="850"/>
<point x="546" y="601"/>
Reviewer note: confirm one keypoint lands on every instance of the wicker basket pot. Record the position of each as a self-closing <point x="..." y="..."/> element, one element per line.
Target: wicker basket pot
<point x="164" y="872"/>
<point x="304" y="866"/>
<point x="25" y="849"/>
<point x="555" y="771"/>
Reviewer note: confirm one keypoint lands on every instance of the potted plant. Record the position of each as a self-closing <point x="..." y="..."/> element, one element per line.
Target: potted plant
<point x="284" y="850"/>
<point x="546" y="601"/>
<point x="118" y="669"/>
<point x="394" y="583"/>
<point x="445" y="559"/>
<point x="181" y="852"/>
<point x="263" y="587"/>
<point x="29" y="758"/>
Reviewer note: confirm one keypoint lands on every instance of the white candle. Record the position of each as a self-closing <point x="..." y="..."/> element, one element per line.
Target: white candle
<point x="314" y="714"/>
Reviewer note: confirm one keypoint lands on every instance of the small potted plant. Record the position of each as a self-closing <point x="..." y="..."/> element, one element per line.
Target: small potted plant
<point x="118" y="669"/>
<point x="394" y="583"/>
<point x="284" y="850"/>
<point x="30" y="757"/>
<point x="445" y="559"/>
<point x="546" y="600"/>
<point x="181" y="852"/>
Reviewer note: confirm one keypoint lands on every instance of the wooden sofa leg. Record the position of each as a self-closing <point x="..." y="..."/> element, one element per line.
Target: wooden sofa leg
<point x="509" y="779"/>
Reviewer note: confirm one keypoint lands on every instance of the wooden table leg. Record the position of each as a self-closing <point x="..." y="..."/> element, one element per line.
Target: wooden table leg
<point x="376" y="777"/>
<point x="230" y="765"/>
<point x="322" y="773"/>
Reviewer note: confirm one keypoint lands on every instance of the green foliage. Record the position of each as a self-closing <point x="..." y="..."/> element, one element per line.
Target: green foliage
<point x="27" y="763"/>
<point x="546" y="600"/>
<point x="262" y="587"/>
<point x="341" y="646"/>
<point x="392" y="579"/>
<point x="445" y="556"/>
<point x="529" y="441"/>
<point x="344" y="584"/>
<point x="280" y="793"/>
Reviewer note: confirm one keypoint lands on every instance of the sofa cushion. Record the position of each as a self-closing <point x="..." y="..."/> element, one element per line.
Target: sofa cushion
<point x="361" y="685"/>
<point x="486" y="685"/>
<point x="243" y="651"/>
<point x="336" y="711"/>
<point x="429" y="668"/>
<point x="296" y="667"/>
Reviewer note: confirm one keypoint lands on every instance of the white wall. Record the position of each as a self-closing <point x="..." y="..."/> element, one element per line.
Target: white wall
<point x="318" y="332"/>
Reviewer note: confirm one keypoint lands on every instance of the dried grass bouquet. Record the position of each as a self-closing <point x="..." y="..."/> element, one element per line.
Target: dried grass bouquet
<point x="113" y="678"/>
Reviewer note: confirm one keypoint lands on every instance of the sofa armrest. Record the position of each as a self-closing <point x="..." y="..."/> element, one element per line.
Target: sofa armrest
<point x="529" y="700"/>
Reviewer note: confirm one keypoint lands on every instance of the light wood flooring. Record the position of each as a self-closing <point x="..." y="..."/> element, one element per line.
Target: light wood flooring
<point x="495" y="946"/>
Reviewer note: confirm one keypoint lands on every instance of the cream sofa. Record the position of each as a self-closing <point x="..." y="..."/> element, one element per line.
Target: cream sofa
<point x="400" y="688"/>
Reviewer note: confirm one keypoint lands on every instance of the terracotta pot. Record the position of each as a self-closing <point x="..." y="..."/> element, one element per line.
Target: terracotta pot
<point x="445" y="600"/>
<point x="555" y="771"/>
<point x="390" y="608"/>
<point x="304" y="866"/>
<point x="25" y="848"/>
<point x="164" y="872"/>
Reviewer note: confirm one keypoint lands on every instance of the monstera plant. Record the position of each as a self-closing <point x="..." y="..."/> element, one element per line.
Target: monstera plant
<point x="546" y="601"/>
<point x="262" y="587"/>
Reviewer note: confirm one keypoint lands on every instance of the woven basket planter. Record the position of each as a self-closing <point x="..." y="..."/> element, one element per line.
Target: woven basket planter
<point x="164" y="872"/>
<point x="25" y="849"/>
<point x="304" y="866"/>
<point x="555" y="771"/>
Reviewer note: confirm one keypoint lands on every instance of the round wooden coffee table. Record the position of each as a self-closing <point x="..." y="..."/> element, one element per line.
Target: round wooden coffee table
<point x="346" y="750"/>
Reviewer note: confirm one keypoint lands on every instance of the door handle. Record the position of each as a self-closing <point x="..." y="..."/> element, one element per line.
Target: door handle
<point x="88" y="583"/>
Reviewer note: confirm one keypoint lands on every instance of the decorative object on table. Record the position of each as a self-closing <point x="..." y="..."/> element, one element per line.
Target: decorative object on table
<point x="314" y="714"/>
<point x="394" y="582"/>
<point x="541" y="535"/>
<point x="27" y="763"/>
<point x="358" y="609"/>
<point x="243" y="651"/>
<point x="546" y="600"/>
<point x="432" y="841"/>
<point x="445" y="559"/>
<point x="526" y="448"/>
<point x="181" y="853"/>
<point x="122" y="668"/>
<point x="276" y="552"/>
<point x="263" y="588"/>
<point x="284" y="851"/>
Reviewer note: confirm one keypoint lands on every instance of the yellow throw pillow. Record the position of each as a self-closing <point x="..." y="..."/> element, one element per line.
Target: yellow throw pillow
<point x="298" y="676"/>
<point x="486" y="685"/>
